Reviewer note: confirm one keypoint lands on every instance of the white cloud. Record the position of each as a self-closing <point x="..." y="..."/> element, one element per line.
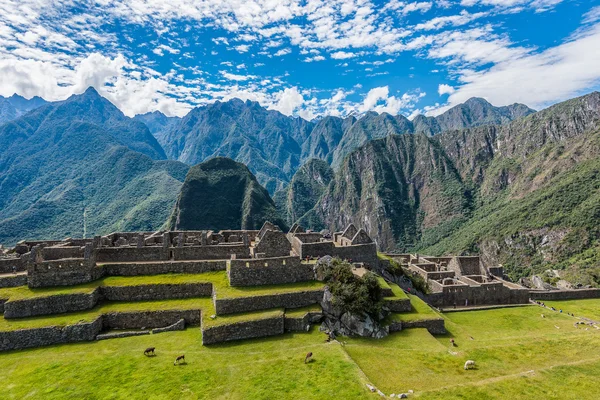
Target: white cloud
<point x="592" y="15"/>
<point x="315" y="58"/>
<point x="288" y="100"/>
<point x="445" y="89"/>
<point x="236" y="77"/>
<point x="242" y="48"/>
<point x="342" y="55"/>
<point x="282" y="52"/>
<point x="537" y="79"/>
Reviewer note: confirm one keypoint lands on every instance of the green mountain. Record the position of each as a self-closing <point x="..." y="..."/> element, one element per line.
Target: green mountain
<point x="158" y="123"/>
<point x="222" y="194"/>
<point x="274" y="146"/>
<point x="525" y="194"/>
<point x="305" y="189"/>
<point x="266" y="141"/>
<point x="14" y="106"/>
<point x="80" y="167"/>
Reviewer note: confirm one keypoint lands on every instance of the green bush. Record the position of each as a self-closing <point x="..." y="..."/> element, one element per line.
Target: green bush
<point x="352" y="293"/>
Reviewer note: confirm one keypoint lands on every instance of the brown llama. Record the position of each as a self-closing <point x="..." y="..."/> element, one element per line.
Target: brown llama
<point x="179" y="359"/>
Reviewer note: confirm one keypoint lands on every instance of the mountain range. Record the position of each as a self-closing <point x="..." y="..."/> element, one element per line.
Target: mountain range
<point x="274" y="146"/>
<point x="14" y="106"/>
<point x="519" y="187"/>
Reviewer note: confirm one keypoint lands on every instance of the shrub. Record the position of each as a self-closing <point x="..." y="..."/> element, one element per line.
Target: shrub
<point x="352" y="293"/>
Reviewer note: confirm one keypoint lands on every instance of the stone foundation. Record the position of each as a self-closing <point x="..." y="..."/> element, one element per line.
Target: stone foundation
<point x="157" y="291"/>
<point x="269" y="271"/>
<point x="265" y="302"/>
<point x="433" y="326"/>
<point x="243" y="330"/>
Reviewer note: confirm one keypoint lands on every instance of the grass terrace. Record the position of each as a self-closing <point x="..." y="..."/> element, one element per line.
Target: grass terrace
<point x="248" y="291"/>
<point x="420" y="311"/>
<point x="519" y="355"/>
<point x="230" y="319"/>
<point x="588" y="308"/>
<point x="302" y="311"/>
<point x="204" y="304"/>
<point x="218" y="278"/>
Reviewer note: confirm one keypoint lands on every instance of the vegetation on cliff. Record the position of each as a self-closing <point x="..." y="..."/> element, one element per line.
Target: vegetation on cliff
<point x="222" y="194"/>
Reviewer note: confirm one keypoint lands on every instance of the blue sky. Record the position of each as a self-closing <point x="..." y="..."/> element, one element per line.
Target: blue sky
<point x="305" y="58"/>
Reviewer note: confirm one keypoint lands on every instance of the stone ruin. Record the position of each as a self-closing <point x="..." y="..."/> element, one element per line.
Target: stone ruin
<point x="246" y="257"/>
<point x="463" y="281"/>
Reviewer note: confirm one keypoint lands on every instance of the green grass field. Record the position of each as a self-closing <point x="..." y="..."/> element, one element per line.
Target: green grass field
<point x="519" y="355"/>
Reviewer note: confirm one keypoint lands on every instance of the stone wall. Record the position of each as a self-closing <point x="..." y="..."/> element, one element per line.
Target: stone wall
<point x="484" y="294"/>
<point x="57" y="304"/>
<point x="88" y="331"/>
<point x="268" y="271"/>
<point x="150" y="319"/>
<point x="129" y="254"/>
<point x="157" y="291"/>
<point x="434" y="326"/>
<point x="361" y="253"/>
<point x="9" y="265"/>
<point x="169" y="267"/>
<point x="273" y="244"/>
<point x="62" y="252"/>
<point x="65" y="272"/>
<point x="210" y="252"/>
<point x="243" y="330"/>
<point x="301" y="324"/>
<point x="398" y="305"/>
<point x="265" y="302"/>
<point x="13" y="280"/>
<point x="25" y="338"/>
<point x="548" y="295"/>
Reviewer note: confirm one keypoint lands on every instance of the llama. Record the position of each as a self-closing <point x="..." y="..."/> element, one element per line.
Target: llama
<point x="179" y="359"/>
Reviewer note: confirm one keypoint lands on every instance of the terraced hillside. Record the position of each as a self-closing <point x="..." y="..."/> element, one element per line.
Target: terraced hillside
<point x="134" y="298"/>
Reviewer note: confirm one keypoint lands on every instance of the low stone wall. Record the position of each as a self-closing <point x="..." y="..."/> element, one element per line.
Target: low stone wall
<point x="125" y="254"/>
<point x="398" y="305"/>
<point x="66" y="272"/>
<point x="243" y="330"/>
<point x="57" y="304"/>
<point x="483" y="294"/>
<point x="157" y="291"/>
<point x="177" y="326"/>
<point x="9" y="265"/>
<point x="13" y="280"/>
<point x="150" y="319"/>
<point x="361" y="253"/>
<point x="210" y="252"/>
<point x="268" y="271"/>
<point x="433" y="326"/>
<point x="62" y="252"/>
<point x="25" y="338"/>
<point x="302" y="324"/>
<point x="168" y="267"/>
<point x="546" y="295"/>
<point x="116" y="335"/>
<point x="254" y="303"/>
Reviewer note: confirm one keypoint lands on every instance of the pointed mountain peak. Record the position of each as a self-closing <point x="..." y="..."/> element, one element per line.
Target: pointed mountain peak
<point x="477" y="101"/>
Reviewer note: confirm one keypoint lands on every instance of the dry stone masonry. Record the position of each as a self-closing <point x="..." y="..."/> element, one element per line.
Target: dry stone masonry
<point x="253" y="277"/>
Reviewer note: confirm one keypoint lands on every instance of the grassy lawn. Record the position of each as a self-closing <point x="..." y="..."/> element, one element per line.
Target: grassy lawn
<point x="589" y="308"/>
<point x="242" y="317"/>
<point x="232" y="292"/>
<point x="218" y="278"/>
<point x="519" y="355"/>
<point x="302" y="311"/>
<point x="270" y="368"/>
<point x="420" y="310"/>
<point x="205" y="304"/>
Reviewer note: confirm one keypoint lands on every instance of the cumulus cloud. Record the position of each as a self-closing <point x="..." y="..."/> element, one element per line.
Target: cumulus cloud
<point x="445" y="89"/>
